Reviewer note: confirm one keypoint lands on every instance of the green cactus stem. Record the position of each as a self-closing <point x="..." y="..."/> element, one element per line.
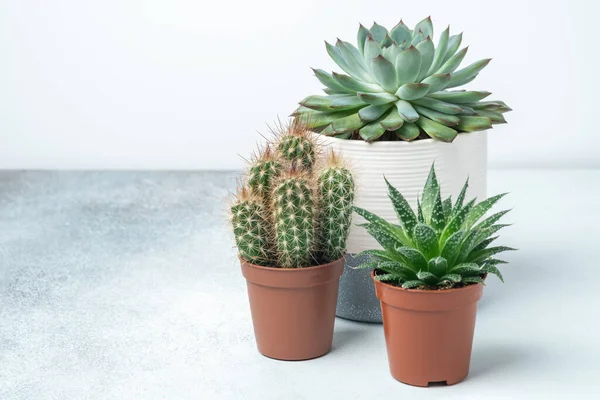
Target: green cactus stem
<point x="297" y="146"/>
<point x="251" y="228"/>
<point x="294" y="209"/>
<point x="336" y="191"/>
<point x="263" y="170"/>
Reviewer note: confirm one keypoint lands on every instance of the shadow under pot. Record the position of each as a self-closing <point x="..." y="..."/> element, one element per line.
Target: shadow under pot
<point x="428" y="333"/>
<point x="293" y="309"/>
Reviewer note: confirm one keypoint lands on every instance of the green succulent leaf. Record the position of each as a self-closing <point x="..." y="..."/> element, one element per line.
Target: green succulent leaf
<point x="406" y="215"/>
<point x="347" y="103"/>
<point x="348" y="66"/>
<point x="327" y="79"/>
<point x="350" y="123"/>
<point x="372" y="50"/>
<point x="493" y="270"/>
<point x="386" y="42"/>
<point x="437" y="130"/>
<point x="438" y="105"/>
<point x="426" y="240"/>
<point x="406" y="111"/>
<point x="438" y="266"/>
<point x="481" y="255"/>
<point x="437" y="82"/>
<point x="407" y="64"/>
<point x="473" y="279"/>
<point x="447" y="205"/>
<point x="371" y="131"/>
<point x="392" y="120"/>
<point x="465" y="75"/>
<point x="472" y="124"/>
<point x="361" y="38"/>
<point x="461" y="196"/>
<point x="385" y="73"/>
<point x="495" y="117"/>
<point x="431" y="191"/>
<point x="355" y="85"/>
<point x="414" y="258"/>
<point x="453" y="44"/>
<point x="367" y="265"/>
<point x="491" y="220"/>
<point x="387" y="277"/>
<point x="408" y="131"/>
<point x="440" y="52"/>
<point x="397" y="268"/>
<point x="484" y="243"/>
<point x="466" y="268"/>
<point x="373" y="112"/>
<point x="451" y="246"/>
<point x="413" y="284"/>
<point x="460" y="96"/>
<point x="453" y="278"/>
<point x="377" y="98"/>
<point x="425" y="26"/>
<point x="412" y="91"/>
<point x="427" y="277"/>
<point x="380" y="254"/>
<point x="438" y="218"/>
<point x="456" y="221"/>
<point x="427" y="49"/>
<point x="453" y="62"/>
<point x="480" y="209"/>
<point x="381" y="223"/>
<point x="440" y="118"/>
<point x="401" y="33"/>
<point x="378" y="32"/>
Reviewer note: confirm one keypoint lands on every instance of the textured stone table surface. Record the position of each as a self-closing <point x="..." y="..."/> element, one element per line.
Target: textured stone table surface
<point x="125" y="285"/>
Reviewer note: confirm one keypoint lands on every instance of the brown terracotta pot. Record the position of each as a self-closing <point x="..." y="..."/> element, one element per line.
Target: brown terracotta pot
<point x="293" y="309"/>
<point x="428" y="333"/>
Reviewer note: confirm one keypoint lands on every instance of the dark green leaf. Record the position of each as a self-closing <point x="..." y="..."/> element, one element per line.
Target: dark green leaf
<point x="481" y="255"/>
<point x="414" y="258"/>
<point x="456" y="221"/>
<point x="426" y="240"/>
<point x="480" y="209"/>
<point x="438" y="266"/>
<point x="404" y="211"/>
<point x="493" y="270"/>
<point x="451" y="247"/>
<point x="413" y="284"/>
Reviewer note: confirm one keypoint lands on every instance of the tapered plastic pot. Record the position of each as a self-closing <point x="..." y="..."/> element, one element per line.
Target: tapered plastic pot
<point x="293" y="309"/>
<point x="428" y="333"/>
<point x="406" y="166"/>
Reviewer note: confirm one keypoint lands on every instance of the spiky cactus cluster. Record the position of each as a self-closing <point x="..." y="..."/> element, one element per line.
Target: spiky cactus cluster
<point x="336" y="189"/>
<point x="300" y="207"/>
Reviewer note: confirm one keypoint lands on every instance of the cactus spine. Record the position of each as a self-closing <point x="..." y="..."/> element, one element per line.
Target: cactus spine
<point x="251" y="228"/>
<point x="263" y="171"/>
<point x="294" y="215"/>
<point x="336" y="191"/>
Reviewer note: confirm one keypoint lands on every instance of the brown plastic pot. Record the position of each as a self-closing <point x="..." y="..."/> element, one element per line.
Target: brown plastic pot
<point x="293" y="309"/>
<point x="428" y="333"/>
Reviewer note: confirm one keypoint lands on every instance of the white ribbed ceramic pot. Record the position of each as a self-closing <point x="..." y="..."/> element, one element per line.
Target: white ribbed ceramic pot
<point x="406" y="165"/>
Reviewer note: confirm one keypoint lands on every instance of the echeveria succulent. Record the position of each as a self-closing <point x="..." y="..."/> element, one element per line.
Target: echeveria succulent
<point x="397" y="81"/>
<point x="443" y="245"/>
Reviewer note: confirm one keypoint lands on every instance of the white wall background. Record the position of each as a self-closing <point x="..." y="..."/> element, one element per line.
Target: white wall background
<point x="187" y="83"/>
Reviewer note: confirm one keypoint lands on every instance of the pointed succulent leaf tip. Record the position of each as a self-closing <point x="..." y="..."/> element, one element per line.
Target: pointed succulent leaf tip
<point x="426" y="26"/>
<point x="453" y="44"/>
<point x="401" y="33"/>
<point x="453" y="62"/>
<point x="361" y="38"/>
<point x="378" y="32"/>
<point x="440" y="52"/>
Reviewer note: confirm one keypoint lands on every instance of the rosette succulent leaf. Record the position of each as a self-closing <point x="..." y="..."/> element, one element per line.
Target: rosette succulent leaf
<point x="444" y="245"/>
<point x="396" y="85"/>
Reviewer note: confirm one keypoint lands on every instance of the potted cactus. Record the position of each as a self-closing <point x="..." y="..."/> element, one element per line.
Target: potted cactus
<point x="429" y="276"/>
<point x="393" y="111"/>
<point x="291" y="221"/>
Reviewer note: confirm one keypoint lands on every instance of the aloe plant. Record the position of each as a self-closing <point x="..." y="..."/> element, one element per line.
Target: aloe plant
<point x="397" y="81"/>
<point x="443" y="245"/>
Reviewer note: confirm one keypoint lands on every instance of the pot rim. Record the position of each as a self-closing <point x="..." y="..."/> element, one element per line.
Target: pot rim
<point x="438" y="292"/>
<point x="292" y="277"/>
<point x="311" y="268"/>
<point x="414" y="143"/>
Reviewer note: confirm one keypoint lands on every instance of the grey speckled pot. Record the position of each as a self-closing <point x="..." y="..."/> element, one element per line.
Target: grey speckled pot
<point x="356" y="299"/>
